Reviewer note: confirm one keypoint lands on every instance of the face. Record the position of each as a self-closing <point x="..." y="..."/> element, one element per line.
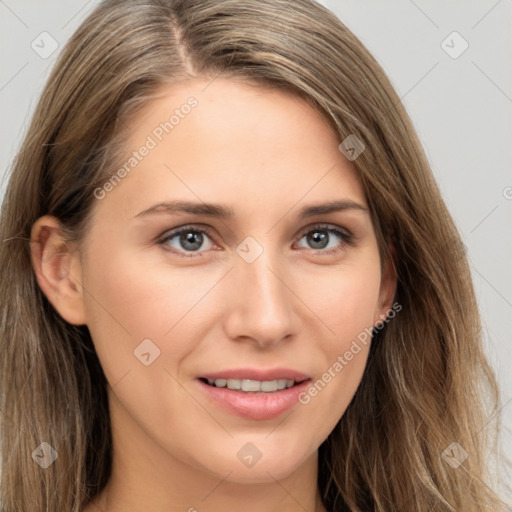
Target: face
<point x="177" y="296"/>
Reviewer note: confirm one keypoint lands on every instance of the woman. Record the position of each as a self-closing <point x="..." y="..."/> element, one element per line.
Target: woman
<point x="230" y="281"/>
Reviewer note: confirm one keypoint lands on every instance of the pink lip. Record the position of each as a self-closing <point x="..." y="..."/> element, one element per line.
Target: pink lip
<point x="257" y="374"/>
<point x="257" y="406"/>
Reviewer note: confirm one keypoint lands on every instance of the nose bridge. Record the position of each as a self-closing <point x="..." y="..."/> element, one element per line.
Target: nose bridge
<point x="262" y="308"/>
<point x="269" y="289"/>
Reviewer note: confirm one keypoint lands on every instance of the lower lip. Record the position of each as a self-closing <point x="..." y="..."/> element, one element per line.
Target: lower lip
<point x="257" y="406"/>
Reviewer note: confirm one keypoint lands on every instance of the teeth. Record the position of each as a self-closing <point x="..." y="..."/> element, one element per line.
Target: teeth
<point x="268" y="385"/>
<point x="231" y="383"/>
<point x="250" y="385"/>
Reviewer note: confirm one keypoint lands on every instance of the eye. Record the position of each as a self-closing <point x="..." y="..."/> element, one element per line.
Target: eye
<point x="321" y="236"/>
<point x="188" y="239"/>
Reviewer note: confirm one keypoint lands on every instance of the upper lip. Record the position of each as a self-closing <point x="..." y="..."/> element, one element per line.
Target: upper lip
<point x="257" y="374"/>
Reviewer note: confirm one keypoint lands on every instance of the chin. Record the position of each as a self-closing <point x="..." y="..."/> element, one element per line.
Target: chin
<point x="267" y="465"/>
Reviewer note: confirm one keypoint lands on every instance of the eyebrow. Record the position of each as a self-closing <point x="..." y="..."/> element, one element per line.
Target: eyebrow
<point x="223" y="212"/>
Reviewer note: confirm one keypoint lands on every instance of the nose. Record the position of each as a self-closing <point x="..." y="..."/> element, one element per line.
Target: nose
<point x="262" y="303"/>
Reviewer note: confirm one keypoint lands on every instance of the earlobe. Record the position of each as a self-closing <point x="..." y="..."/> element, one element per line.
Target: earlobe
<point x="57" y="269"/>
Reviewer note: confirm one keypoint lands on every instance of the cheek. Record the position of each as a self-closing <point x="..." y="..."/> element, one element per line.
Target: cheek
<point x="347" y="307"/>
<point x="139" y="318"/>
<point x="346" y="301"/>
<point x="131" y="298"/>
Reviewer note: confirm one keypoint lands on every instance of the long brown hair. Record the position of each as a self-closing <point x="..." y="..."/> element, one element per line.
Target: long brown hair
<point x="427" y="383"/>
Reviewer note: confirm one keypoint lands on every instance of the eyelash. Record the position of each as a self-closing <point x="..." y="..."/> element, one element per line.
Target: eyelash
<point x="347" y="239"/>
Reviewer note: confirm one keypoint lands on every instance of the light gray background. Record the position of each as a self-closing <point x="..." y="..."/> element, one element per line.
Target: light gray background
<point x="461" y="108"/>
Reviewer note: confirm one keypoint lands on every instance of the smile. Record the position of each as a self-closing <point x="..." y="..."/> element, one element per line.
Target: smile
<point x="253" y="399"/>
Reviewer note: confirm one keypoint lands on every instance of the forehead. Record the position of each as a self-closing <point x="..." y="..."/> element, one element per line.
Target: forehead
<point x="230" y="141"/>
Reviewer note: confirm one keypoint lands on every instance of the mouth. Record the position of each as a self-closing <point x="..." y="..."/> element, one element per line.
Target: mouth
<point x="252" y="385"/>
<point x="270" y="396"/>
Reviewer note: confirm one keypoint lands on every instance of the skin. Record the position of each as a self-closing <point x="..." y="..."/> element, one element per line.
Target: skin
<point x="265" y="154"/>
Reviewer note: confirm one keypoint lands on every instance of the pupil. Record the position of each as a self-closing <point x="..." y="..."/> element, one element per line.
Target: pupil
<point x="319" y="237"/>
<point x="193" y="238"/>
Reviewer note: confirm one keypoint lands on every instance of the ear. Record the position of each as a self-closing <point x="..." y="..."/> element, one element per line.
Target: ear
<point x="387" y="286"/>
<point x="58" y="269"/>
